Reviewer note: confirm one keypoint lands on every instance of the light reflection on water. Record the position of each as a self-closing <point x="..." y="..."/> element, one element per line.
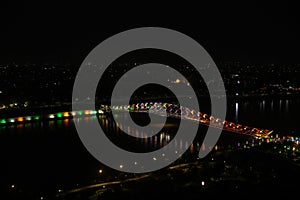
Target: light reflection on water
<point x="140" y="136"/>
<point x="276" y="114"/>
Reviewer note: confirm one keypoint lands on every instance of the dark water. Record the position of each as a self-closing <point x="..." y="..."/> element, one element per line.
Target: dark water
<point x="49" y="156"/>
<point x="280" y="115"/>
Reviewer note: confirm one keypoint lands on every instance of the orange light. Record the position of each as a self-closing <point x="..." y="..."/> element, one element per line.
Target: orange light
<point x="66" y="114"/>
<point x="86" y="112"/>
<point x="20" y="119"/>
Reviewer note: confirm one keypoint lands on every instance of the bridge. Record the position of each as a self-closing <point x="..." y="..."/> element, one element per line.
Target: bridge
<point x="176" y="111"/>
<point x="159" y="108"/>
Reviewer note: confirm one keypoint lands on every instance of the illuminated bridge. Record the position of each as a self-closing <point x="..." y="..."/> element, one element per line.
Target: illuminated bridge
<point x="172" y="110"/>
<point x="177" y="111"/>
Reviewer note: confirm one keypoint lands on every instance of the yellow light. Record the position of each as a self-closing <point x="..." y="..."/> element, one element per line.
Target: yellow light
<point x="86" y="112"/>
<point x="66" y="114"/>
<point x="100" y="171"/>
<point x="177" y="81"/>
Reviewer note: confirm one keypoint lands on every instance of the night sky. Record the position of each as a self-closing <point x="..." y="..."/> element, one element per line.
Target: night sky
<point x="63" y="33"/>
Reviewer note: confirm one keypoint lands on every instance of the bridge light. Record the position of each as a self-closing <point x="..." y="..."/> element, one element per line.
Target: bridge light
<point x="36" y="117"/>
<point x="2" y="121"/>
<point x="28" y="118"/>
<point x="59" y="115"/>
<point x="202" y="183"/>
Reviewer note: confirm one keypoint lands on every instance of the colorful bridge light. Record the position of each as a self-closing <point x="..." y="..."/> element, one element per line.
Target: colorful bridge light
<point x="100" y="112"/>
<point x="59" y="114"/>
<point x="79" y="112"/>
<point x="20" y="119"/>
<point x="93" y="112"/>
<point x="66" y="114"/>
<point x="36" y="117"/>
<point x="2" y="121"/>
<point x="28" y="118"/>
<point x="12" y="120"/>
<point x="51" y="116"/>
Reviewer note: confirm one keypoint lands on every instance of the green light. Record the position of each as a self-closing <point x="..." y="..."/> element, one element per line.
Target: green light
<point x="36" y="117"/>
<point x="79" y="112"/>
<point x="59" y="114"/>
<point x="2" y="121"/>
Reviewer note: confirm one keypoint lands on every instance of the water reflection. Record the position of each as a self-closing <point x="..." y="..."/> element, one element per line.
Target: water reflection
<point x="236" y="112"/>
<point x="136" y="140"/>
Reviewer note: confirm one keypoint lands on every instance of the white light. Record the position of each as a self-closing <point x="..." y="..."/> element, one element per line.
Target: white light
<point x="135" y="163"/>
<point x="154" y="158"/>
<point x="202" y="183"/>
<point x="121" y="166"/>
<point x="100" y="171"/>
<point x="51" y="116"/>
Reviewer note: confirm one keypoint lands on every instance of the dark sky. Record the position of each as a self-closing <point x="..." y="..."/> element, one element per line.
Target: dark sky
<point x="251" y="31"/>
